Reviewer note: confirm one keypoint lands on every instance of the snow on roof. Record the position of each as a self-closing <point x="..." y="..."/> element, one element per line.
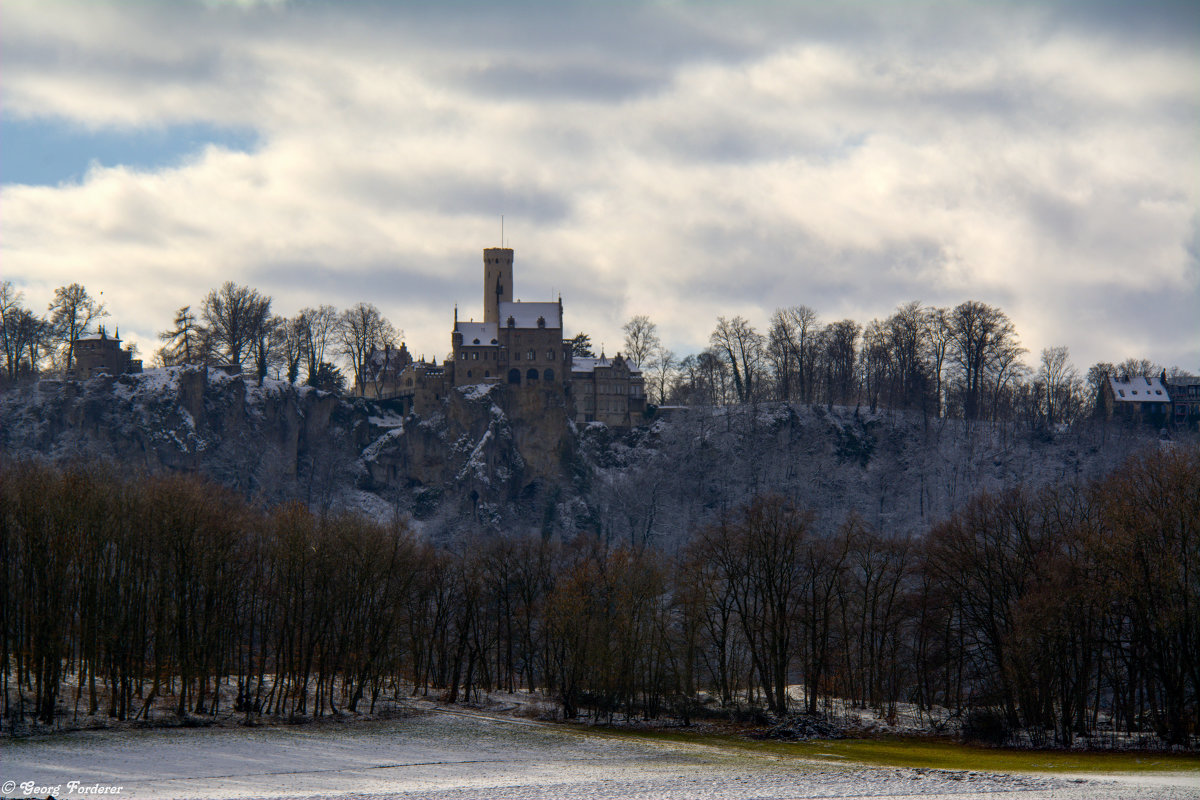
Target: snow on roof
<point x="1138" y="389"/>
<point x="584" y="364"/>
<point x="477" y="333"/>
<point x="526" y="315"/>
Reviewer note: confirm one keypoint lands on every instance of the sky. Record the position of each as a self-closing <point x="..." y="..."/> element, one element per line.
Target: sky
<point x="679" y="160"/>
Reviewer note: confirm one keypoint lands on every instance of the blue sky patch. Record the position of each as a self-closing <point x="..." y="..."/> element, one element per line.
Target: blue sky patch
<point x="47" y="152"/>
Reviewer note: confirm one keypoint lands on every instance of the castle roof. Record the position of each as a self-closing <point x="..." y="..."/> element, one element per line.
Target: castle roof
<point x="1139" y="389"/>
<point x="585" y="364"/>
<point x="481" y="334"/>
<point x="526" y="315"/>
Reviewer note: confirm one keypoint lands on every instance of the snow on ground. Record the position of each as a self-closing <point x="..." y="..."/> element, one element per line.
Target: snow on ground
<point x="476" y="391"/>
<point x="454" y="754"/>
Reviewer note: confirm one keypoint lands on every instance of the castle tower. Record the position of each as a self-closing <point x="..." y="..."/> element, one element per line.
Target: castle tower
<point x="497" y="281"/>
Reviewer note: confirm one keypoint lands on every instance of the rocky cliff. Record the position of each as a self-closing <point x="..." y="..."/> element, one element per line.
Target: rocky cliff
<point x="277" y="441"/>
<point x="500" y="458"/>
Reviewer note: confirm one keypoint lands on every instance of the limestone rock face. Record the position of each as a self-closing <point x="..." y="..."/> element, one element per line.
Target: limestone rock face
<point x="472" y="445"/>
<point x="278" y="441"/>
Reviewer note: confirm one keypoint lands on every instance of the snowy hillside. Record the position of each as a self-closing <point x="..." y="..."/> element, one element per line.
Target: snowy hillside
<point x="472" y="465"/>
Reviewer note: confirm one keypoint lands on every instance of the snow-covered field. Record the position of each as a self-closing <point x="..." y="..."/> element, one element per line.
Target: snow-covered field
<point x="458" y="755"/>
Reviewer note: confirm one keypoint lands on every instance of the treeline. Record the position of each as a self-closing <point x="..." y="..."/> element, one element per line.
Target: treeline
<point x="964" y="362"/>
<point x="232" y="325"/>
<point x="1053" y="614"/>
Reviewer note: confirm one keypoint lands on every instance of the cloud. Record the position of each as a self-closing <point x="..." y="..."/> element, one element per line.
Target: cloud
<point x="679" y="161"/>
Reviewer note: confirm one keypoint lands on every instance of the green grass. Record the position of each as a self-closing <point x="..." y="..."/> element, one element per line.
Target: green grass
<point x="934" y="753"/>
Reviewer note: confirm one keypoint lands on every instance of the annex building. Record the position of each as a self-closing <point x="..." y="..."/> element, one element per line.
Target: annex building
<point x="100" y="354"/>
<point x="520" y="345"/>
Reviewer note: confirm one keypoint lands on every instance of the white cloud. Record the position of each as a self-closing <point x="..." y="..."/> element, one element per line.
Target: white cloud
<point x="747" y="161"/>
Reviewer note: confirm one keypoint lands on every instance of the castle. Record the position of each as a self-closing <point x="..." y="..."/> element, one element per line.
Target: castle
<point x="98" y="353"/>
<point x="517" y="344"/>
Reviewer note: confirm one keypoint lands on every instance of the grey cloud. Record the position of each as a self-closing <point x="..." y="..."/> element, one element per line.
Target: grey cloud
<point x="401" y="282"/>
<point x="673" y="110"/>
<point x="1148" y="21"/>
<point x="558" y="81"/>
<point x="456" y="195"/>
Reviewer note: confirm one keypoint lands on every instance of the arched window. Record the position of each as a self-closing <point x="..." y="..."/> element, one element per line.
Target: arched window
<point x="468" y="373"/>
<point x="532" y="375"/>
<point x="487" y="373"/>
<point x="512" y="323"/>
<point x="548" y="375"/>
<point x="541" y="322"/>
<point x="514" y="376"/>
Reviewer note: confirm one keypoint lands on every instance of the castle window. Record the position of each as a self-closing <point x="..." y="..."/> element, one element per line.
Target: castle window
<point x="541" y="322"/>
<point x="532" y="375"/>
<point x="475" y="356"/>
<point x="468" y="373"/>
<point x="512" y="323"/>
<point x="530" y="356"/>
<point x="487" y="373"/>
<point x="476" y="341"/>
<point x="548" y="375"/>
<point x="549" y="355"/>
<point x="514" y="376"/>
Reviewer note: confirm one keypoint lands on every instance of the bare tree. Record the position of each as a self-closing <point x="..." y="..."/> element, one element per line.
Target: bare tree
<point x="840" y="358"/>
<point x="1062" y="385"/>
<point x="780" y="354"/>
<point x="362" y="331"/>
<point x="641" y="338"/>
<point x="743" y="348"/>
<point x="937" y="326"/>
<point x="264" y="347"/>
<point x="906" y="331"/>
<point x="878" y="369"/>
<point x="1137" y="368"/>
<point x="288" y="344"/>
<point x="234" y="316"/>
<point x="791" y="349"/>
<point x="319" y="330"/>
<point x="21" y="333"/>
<point x="983" y="345"/>
<point x="662" y="368"/>
<point x="72" y="313"/>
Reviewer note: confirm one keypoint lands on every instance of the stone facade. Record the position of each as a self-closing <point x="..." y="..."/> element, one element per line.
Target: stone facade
<point x="606" y="390"/>
<point x="99" y="353"/>
<point x="1185" y="399"/>
<point x="383" y="371"/>
<point x="517" y="343"/>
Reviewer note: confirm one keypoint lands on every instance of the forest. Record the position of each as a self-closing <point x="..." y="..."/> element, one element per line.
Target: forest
<point x="961" y="362"/>
<point x="1037" y="615"/>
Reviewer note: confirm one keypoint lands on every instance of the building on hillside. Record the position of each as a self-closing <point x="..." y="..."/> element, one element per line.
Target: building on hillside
<point x="101" y="354"/>
<point x="422" y="385"/>
<point x="518" y="343"/>
<point x="1137" y="399"/>
<point x="382" y="372"/>
<point x="606" y="390"/>
<point x="1185" y="400"/>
